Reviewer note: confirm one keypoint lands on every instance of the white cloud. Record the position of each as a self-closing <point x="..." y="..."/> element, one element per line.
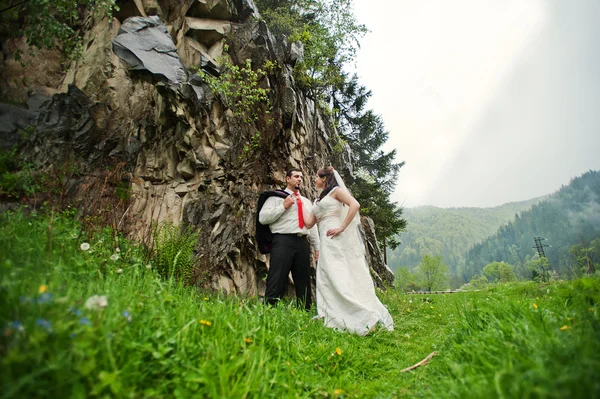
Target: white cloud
<point x="433" y="67"/>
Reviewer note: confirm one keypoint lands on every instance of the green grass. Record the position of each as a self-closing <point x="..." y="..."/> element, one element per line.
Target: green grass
<point x="158" y="339"/>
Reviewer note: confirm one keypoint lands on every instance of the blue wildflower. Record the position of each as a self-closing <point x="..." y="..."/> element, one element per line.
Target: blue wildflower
<point x="17" y="326"/>
<point x="127" y="315"/>
<point x="44" y="298"/>
<point x="44" y="323"/>
<point x="75" y="311"/>
<point x="85" y="321"/>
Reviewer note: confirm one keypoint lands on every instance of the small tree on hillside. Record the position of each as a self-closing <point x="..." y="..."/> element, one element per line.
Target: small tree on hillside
<point x="587" y="256"/>
<point x="499" y="272"/>
<point x="432" y="273"/>
<point x="540" y="269"/>
<point x="405" y="280"/>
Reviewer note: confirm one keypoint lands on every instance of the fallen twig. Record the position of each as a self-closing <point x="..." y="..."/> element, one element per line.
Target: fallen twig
<point x="422" y="362"/>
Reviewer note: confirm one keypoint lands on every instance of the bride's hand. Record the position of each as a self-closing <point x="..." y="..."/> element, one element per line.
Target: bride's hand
<point x="334" y="232"/>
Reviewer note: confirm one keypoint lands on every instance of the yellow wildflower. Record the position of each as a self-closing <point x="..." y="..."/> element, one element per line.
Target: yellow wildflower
<point x="43" y="288"/>
<point x="440" y="315"/>
<point x="570" y="318"/>
<point x="205" y="298"/>
<point x="205" y="323"/>
<point x="431" y="307"/>
<point x="338" y="351"/>
<point x="563" y="328"/>
<point x="337" y="391"/>
<point x="247" y="340"/>
<point x="535" y="305"/>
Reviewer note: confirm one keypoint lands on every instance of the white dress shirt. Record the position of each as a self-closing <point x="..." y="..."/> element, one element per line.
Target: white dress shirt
<point x="285" y="221"/>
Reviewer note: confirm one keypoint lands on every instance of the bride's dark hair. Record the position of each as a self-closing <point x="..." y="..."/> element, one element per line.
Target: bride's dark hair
<point x="330" y="181"/>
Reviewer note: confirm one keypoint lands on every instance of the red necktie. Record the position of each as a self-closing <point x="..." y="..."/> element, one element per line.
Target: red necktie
<point x="300" y="215"/>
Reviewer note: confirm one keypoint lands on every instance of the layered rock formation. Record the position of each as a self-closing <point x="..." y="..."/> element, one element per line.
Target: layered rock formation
<point x="135" y="103"/>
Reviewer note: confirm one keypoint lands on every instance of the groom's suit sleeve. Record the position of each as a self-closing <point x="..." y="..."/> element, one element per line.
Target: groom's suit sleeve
<point x="271" y="210"/>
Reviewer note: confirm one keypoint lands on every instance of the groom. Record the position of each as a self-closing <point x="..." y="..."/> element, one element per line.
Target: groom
<point x="290" y="249"/>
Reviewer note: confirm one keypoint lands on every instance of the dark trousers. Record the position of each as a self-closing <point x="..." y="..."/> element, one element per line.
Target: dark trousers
<point x="289" y="252"/>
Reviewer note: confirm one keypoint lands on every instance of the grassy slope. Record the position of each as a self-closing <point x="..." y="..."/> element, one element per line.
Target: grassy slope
<point x="180" y="342"/>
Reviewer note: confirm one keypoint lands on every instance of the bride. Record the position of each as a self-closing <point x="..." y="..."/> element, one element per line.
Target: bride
<point x="346" y="297"/>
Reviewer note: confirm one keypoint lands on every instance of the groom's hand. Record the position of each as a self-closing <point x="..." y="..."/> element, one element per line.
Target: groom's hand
<point x="316" y="256"/>
<point x="288" y="201"/>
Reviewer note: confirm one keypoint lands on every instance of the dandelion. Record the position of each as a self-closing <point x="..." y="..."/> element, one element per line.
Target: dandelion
<point x="338" y="351"/>
<point x="43" y="288"/>
<point x="410" y="301"/>
<point x="117" y="249"/>
<point x="535" y="305"/>
<point x="44" y="324"/>
<point x="563" y="328"/>
<point x="96" y="302"/>
<point x="119" y="271"/>
<point x="440" y="315"/>
<point x="337" y="391"/>
<point x="206" y="298"/>
<point x="247" y="340"/>
<point x="85" y="321"/>
<point x="84" y="246"/>
<point x="205" y="323"/>
<point x="127" y="315"/>
<point x="114" y="257"/>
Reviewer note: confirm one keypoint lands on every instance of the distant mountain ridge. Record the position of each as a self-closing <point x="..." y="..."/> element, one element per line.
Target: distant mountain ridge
<point x="570" y="216"/>
<point x="450" y="232"/>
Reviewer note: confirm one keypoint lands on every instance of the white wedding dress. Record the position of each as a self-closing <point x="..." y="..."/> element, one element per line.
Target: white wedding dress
<point x="346" y="298"/>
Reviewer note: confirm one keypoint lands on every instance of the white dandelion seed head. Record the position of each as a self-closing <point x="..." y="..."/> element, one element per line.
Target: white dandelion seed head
<point x="96" y="302"/>
<point x="114" y="257"/>
<point x="148" y="266"/>
<point x="117" y="249"/>
<point x="84" y="246"/>
<point x="119" y="271"/>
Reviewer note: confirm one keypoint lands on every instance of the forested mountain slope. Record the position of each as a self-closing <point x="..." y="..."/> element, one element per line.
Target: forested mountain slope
<point x="568" y="217"/>
<point x="449" y="232"/>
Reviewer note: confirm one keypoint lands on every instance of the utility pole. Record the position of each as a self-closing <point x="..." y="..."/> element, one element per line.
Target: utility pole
<point x="543" y="259"/>
<point x="539" y="246"/>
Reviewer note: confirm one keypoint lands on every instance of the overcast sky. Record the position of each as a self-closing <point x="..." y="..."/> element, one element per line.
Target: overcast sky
<point x="487" y="101"/>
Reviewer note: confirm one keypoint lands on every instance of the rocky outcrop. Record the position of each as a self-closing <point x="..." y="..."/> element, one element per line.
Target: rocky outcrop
<point x="186" y="157"/>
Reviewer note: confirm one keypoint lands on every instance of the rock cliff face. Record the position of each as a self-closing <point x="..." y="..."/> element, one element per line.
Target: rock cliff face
<point x="135" y="104"/>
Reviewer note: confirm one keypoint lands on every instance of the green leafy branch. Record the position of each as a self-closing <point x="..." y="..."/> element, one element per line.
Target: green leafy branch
<point x="53" y="24"/>
<point x="239" y="87"/>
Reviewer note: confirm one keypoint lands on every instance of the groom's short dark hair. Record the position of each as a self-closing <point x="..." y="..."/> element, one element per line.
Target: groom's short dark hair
<point x="289" y="172"/>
